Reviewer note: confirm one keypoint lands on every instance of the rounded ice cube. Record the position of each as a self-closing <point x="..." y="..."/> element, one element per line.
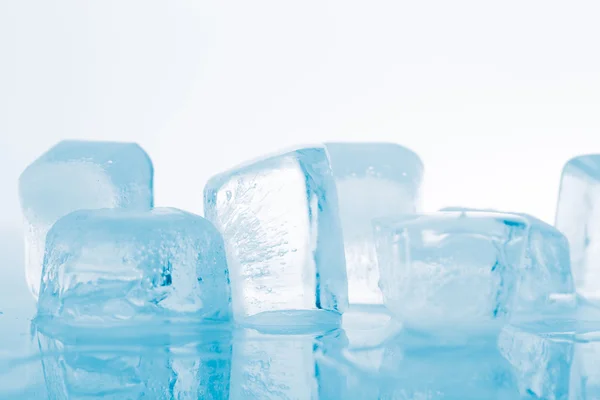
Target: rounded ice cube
<point x="113" y="267"/>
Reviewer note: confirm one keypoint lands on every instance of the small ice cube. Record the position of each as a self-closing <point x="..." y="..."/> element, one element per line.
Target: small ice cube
<point x="373" y="180"/>
<point x="76" y="175"/>
<point x="279" y="219"/>
<point x="451" y="272"/>
<point x="111" y="266"/>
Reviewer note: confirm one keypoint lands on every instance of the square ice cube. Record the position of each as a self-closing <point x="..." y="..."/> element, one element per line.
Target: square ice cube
<point x="113" y="267"/>
<point x="76" y="175"/>
<point x="451" y="272"/>
<point x="545" y="284"/>
<point x="279" y="219"/>
<point x="578" y="218"/>
<point x="373" y="180"/>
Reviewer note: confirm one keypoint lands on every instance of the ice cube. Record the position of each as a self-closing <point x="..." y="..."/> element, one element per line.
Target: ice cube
<point x="546" y="284"/>
<point x="113" y="267"/>
<point x="451" y="272"/>
<point x="279" y="366"/>
<point x="541" y="365"/>
<point x="373" y="180"/>
<point x="279" y="219"/>
<point x="77" y="175"/>
<point x="194" y="370"/>
<point x="578" y="218"/>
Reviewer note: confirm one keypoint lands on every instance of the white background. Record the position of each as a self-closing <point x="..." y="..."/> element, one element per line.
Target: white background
<point x="494" y="96"/>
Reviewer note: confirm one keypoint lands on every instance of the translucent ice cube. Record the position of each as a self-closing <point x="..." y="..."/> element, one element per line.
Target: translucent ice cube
<point x="450" y="272"/>
<point x="279" y="218"/>
<point x="578" y="217"/>
<point x="373" y="180"/>
<point x="196" y="370"/>
<point x="77" y="175"/>
<point x="546" y="283"/>
<point x="111" y="266"/>
<point x="541" y="365"/>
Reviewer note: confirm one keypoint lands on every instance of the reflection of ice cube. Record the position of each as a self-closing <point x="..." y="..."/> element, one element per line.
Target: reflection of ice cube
<point x="185" y="371"/>
<point x="585" y="372"/>
<point x="429" y="371"/>
<point x="279" y="219"/>
<point x="541" y="365"/>
<point x="373" y="180"/>
<point x="77" y="175"/>
<point x="450" y="271"/>
<point x="115" y="266"/>
<point x="279" y="366"/>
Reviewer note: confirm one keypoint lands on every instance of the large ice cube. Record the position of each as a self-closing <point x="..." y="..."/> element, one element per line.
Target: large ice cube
<point x="106" y="266"/>
<point x="193" y="370"/>
<point x="541" y="365"/>
<point x="373" y="180"/>
<point x="578" y="217"/>
<point x="77" y="175"/>
<point x="546" y="284"/>
<point x="279" y="218"/>
<point x="451" y="272"/>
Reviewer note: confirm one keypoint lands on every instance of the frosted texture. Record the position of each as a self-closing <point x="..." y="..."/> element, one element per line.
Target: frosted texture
<point x="177" y="371"/>
<point x="450" y="272"/>
<point x="546" y="284"/>
<point x="578" y="217"/>
<point x="279" y="219"/>
<point x="108" y="267"/>
<point x="373" y="180"/>
<point x="77" y="175"/>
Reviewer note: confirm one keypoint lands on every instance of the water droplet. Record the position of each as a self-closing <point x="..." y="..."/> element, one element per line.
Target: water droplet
<point x="228" y="194"/>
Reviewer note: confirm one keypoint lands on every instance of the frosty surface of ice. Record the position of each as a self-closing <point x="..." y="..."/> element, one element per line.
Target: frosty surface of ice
<point x="373" y="180"/>
<point x="279" y="219"/>
<point x="77" y="175"/>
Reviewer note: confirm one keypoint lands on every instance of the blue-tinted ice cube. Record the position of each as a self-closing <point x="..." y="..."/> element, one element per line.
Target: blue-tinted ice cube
<point x="373" y="180"/>
<point x="546" y="284"/>
<point x="279" y="218"/>
<point x="76" y="175"/>
<point x="541" y="365"/>
<point x="578" y="217"/>
<point x="194" y="370"/>
<point x="451" y="272"/>
<point x="109" y="266"/>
